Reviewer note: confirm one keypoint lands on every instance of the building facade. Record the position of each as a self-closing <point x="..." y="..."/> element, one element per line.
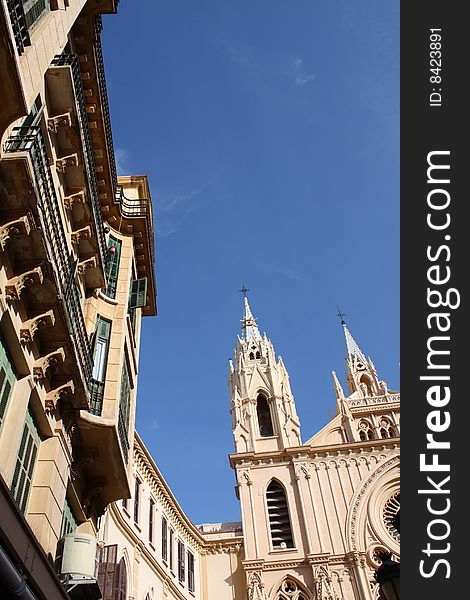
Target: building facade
<point x="76" y="277"/>
<point x="315" y="515"/>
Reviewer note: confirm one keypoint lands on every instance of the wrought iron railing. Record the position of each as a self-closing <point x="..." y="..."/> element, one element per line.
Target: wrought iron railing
<point x="104" y="101"/>
<point x="96" y="397"/>
<point x="138" y="207"/>
<point x="71" y="60"/>
<point x="24" y="15"/>
<point x="18" y="24"/>
<point x="31" y="140"/>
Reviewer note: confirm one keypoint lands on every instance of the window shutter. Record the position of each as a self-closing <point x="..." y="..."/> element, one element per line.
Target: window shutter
<point x="107" y="571"/>
<point x="112" y="266"/>
<point x="138" y="297"/>
<point x="7" y="380"/>
<point x="25" y="462"/>
<point x="279" y="522"/>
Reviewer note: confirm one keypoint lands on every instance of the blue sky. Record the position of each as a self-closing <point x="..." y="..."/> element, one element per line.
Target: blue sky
<point x="270" y="134"/>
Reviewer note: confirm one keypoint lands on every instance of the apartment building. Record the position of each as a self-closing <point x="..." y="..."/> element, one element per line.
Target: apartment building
<point x="76" y="277"/>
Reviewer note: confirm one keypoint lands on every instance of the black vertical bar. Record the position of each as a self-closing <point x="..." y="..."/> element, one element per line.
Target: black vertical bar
<point x="434" y="119"/>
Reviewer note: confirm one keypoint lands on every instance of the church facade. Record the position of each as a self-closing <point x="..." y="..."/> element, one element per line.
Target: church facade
<point x="315" y="515"/>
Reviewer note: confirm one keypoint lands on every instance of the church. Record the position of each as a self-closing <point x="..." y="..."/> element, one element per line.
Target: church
<point x="77" y="278"/>
<point x="315" y="515"/>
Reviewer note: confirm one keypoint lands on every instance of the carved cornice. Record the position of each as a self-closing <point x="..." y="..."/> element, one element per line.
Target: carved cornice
<point x="57" y="394"/>
<point x="42" y="364"/>
<point x="63" y="163"/>
<point x="15" y="286"/>
<point x="63" y="120"/>
<point x="76" y="197"/>
<point x="84" y="265"/>
<point x="29" y="328"/>
<point x="84" y="233"/>
<point x="10" y="230"/>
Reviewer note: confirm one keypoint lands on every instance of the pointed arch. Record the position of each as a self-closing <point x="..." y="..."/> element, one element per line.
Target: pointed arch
<point x="263" y="412"/>
<point x="278" y="515"/>
<point x="289" y="588"/>
<point x="120" y="589"/>
<point x="366" y="431"/>
<point x="386" y="429"/>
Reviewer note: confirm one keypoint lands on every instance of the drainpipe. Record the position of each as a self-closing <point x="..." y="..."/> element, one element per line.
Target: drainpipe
<point x="15" y="584"/>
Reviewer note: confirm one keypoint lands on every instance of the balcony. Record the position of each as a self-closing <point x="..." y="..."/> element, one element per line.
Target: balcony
<point x="65" y="89"/>
<point x="24" y="14"/>
<point x="132" y="214"/>
<point x="30" y="141"/>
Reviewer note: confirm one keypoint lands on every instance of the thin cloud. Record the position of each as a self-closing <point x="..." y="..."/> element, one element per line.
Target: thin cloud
<point x="122" y="161"/>
<point x="173" y="209"/>
<point x="301" y="77"/>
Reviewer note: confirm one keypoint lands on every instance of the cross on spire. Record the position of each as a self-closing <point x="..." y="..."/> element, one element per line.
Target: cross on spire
<point x="244" y="290"/>
<point x="341" y="315"/>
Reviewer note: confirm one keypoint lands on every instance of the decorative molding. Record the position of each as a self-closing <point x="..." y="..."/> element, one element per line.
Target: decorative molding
<point x="255" y="586"/>
<point x="77" y="197"/>
<point x="84" y="265"/>
<point x="384" y="466"/>
<point x="13" y="229"/>
<point x="324" y="589"/>
<point x="42" y="364"/>
<point x="15" y="286"/>
<point x="62" y="164"/>
<point x="31" y="327"/>
<point x="63" y="120"/>
<point x="57" y="394"/>
<point x="84" y="233"/>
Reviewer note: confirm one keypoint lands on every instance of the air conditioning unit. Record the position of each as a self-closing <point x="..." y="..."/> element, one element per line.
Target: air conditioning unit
<point x="76" y="556"/>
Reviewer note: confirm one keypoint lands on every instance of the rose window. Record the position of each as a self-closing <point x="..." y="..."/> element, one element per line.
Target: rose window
<point x="391" y="516"/>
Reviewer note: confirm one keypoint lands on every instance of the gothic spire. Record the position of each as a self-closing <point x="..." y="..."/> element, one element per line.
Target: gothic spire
<point x="249" y="326"/>
<point x="352" y="347"/>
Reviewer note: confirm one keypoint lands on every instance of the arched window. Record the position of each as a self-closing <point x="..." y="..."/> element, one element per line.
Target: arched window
<point x="386" y="429"/>
<point x="265" y="423"/>
<point x="258" y="354"/>
<point x="365" y="431"/>
<point x="252" y="356"/>
<point x="278" y="512"/>
<point x="120" y="591"/>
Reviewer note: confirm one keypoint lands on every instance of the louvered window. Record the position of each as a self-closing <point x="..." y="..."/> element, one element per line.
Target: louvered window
<point x="7" y="381"/>
<point x="107" y="571"/>
<point x="136" y="500"/>
<point x="151" y="513"/>
<point x="181" y="569"/>
<point x="124" y="410"/>
<point x="172" y="537"/>
<point x="25" y="462"/>
<point x="137" y="298"/>
<point x="164" y="539"/>
<point x="112" y="266"/>
<point x="191" y="585"/>
<point x="278" y="511"/>
<point x="69" y="524"/>
<point x="120" y="591"/>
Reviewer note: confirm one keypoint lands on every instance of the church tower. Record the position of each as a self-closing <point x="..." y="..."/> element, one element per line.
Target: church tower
<point x="315" y="515"/>
<point x="262" y="405"/>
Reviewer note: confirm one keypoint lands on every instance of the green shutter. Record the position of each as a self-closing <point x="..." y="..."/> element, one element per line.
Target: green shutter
<point x="7" y="381"/>
<point x="112" y="266"/>
<point x="138" y="297"/>
<point x="69" y="524"/>
<point x="25" y="462"/>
